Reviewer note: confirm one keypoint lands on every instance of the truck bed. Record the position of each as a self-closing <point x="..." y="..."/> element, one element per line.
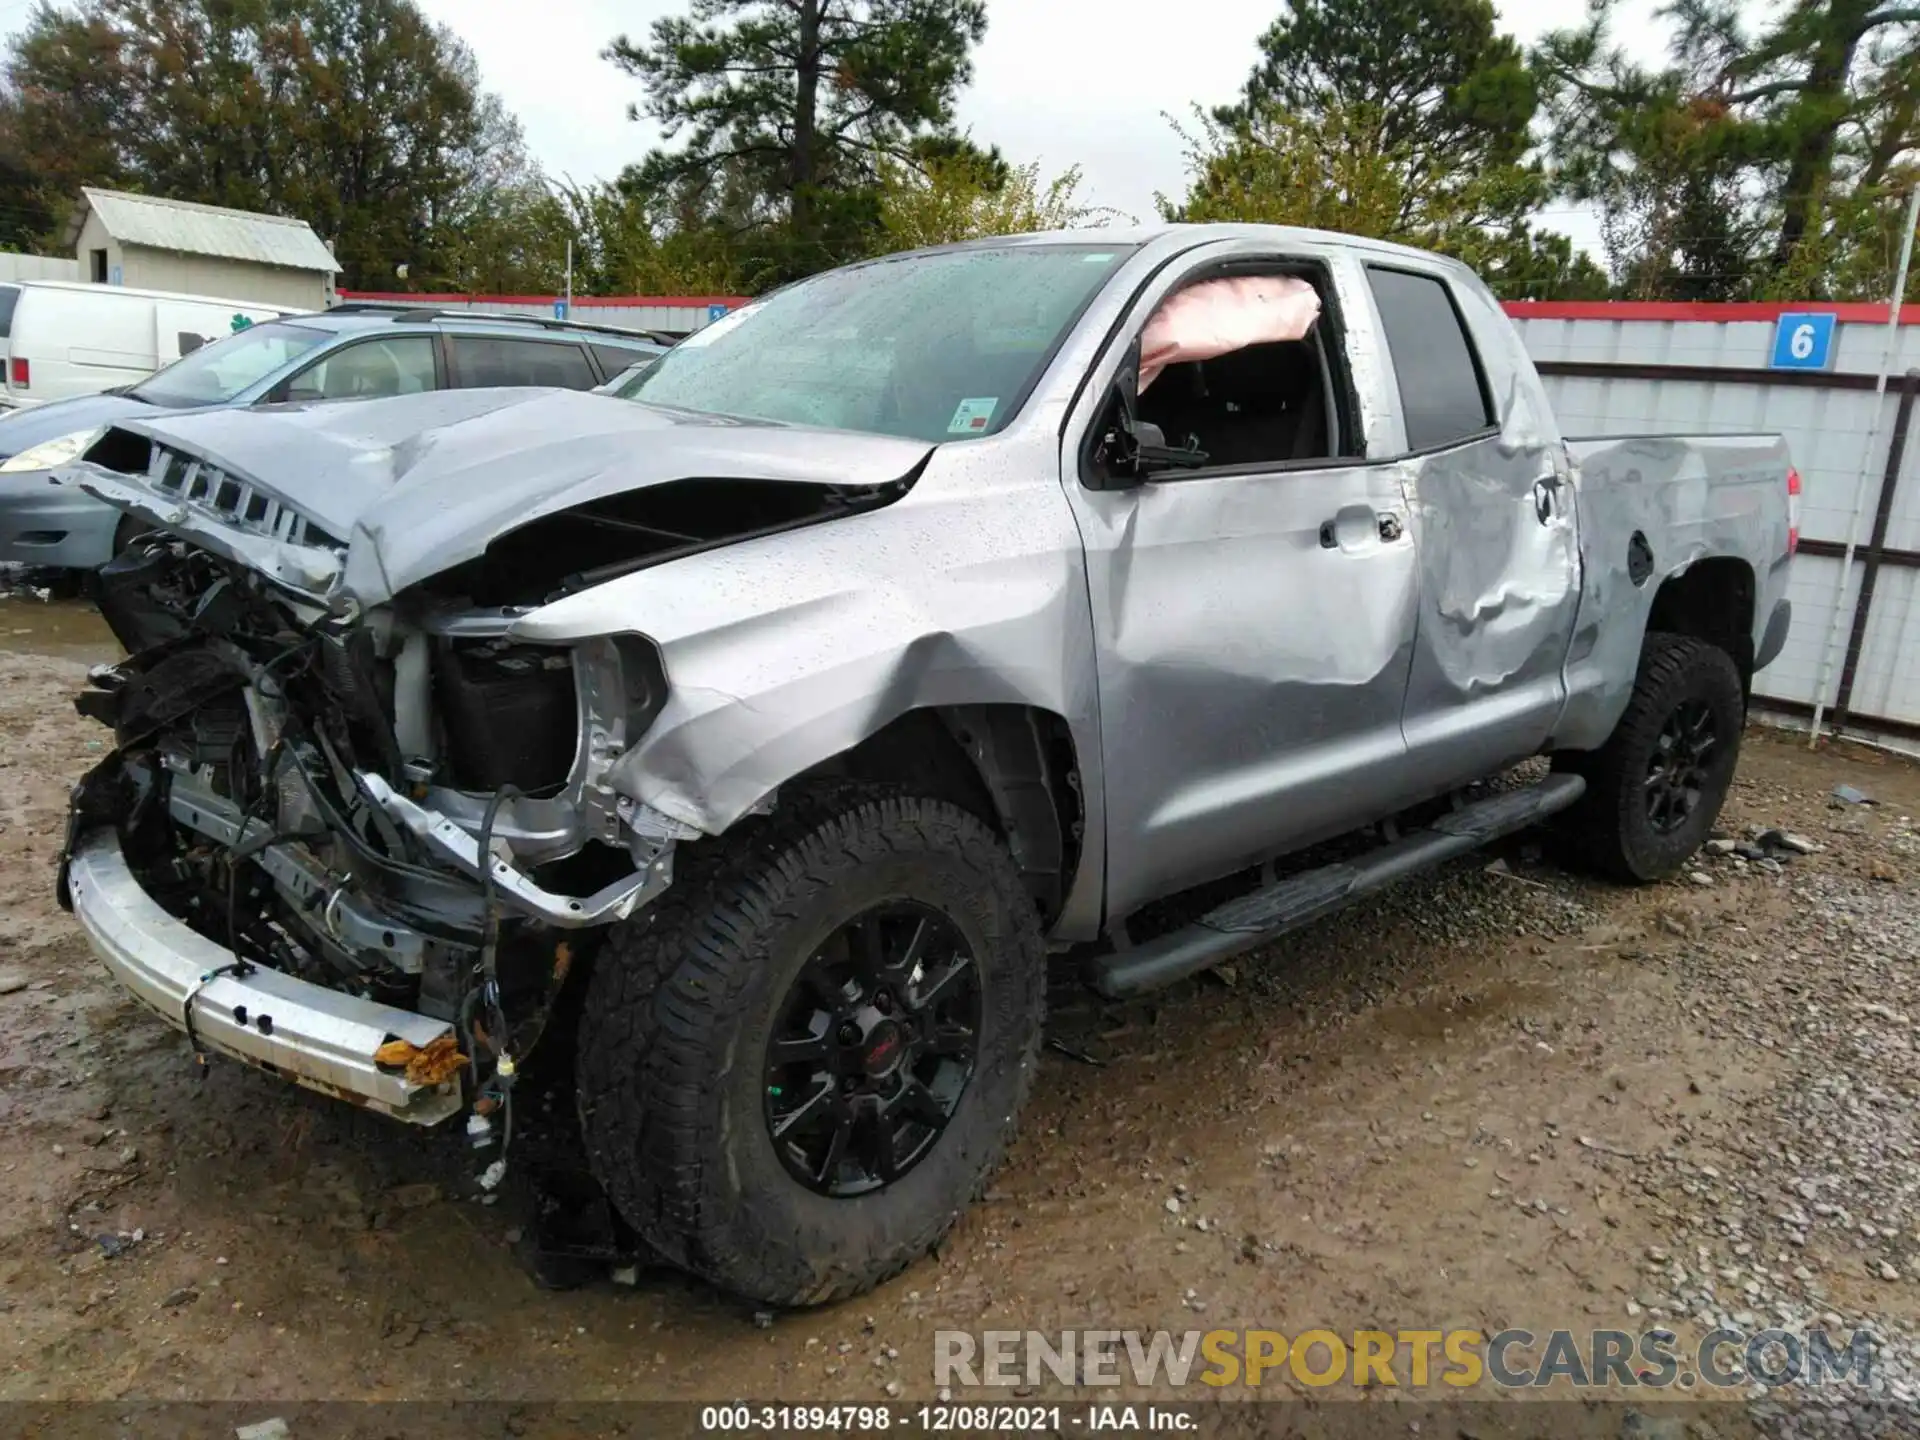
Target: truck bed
<point x="1651" y="508"/>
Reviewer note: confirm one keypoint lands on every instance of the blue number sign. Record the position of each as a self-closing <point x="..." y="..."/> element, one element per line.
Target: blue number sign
<point x="1803" y="340"/>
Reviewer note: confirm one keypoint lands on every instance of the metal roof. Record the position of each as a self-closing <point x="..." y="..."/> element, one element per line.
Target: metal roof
<point x="191" y="229"/>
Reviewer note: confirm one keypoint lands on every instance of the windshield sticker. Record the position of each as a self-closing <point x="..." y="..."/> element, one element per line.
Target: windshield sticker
<point x="972" y="416"/>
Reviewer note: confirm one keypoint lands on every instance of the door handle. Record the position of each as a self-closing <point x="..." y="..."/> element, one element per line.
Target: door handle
<point x="1546" y="499"/>
<point x="1353" y="521"/>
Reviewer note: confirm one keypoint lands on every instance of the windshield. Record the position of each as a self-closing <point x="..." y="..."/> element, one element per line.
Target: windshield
<point x="927" y="347"/>
<point x="217" y="373"/>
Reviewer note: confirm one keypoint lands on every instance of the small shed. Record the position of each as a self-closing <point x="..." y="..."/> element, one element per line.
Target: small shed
<point x="156" y="244"/>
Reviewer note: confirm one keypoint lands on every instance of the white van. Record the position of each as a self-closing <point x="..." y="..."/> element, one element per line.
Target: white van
<point x="60" y="338"/>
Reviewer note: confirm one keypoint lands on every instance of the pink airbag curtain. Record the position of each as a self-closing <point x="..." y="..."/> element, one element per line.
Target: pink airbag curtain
<point x="1218" y="316"/>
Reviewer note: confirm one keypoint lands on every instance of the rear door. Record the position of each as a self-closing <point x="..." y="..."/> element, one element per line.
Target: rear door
<point x="1493" y="528"/>
<point x="486" y="360"/>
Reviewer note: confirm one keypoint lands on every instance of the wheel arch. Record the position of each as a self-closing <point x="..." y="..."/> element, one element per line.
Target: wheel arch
<point x="1714" y="600"/>
<point x="1015" y="766"/>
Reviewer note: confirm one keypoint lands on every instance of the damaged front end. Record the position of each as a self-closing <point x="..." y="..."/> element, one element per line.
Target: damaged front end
<point x="361" y="850"/>
<point x="359" y="823"/>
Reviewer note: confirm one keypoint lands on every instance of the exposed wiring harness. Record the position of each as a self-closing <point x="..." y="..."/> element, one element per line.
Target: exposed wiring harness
<point x="505" y="1068"/>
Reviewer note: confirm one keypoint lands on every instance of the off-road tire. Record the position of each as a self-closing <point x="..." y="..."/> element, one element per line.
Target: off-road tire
<point x="1609" y="830"/>
<point x="681" y="1002"/>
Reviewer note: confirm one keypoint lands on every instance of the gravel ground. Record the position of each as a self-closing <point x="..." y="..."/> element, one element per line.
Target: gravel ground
<point x="1502" y="1097"/>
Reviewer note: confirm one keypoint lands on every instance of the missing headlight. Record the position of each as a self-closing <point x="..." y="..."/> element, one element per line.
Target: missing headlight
<point x="510" y="714"/>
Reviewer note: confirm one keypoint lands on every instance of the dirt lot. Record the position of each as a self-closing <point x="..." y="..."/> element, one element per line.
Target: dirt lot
<point x="1504" y="1097"/>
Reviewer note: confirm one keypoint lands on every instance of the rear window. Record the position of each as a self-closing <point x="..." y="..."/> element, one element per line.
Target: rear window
<point x="486" y="360"/>
<point x="616" y="358"/>
<point x="1441" y="392"/>
<point x="9" y="297"/>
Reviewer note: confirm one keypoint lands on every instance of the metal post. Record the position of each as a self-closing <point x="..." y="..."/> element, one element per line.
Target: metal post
<point x="1887" y="357"/>
<point x="1876" y="550"/>
<point x="570" y="272"/>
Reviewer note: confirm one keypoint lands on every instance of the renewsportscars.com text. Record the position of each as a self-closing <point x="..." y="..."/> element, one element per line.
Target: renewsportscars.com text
<point x="1457" y="1359"/>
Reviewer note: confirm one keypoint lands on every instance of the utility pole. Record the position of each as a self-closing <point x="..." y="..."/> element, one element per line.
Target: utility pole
<point x="1888" y="357"/>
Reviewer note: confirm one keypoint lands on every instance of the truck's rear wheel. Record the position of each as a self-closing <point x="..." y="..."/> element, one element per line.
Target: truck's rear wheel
<point x="1655" y="789"/>
<point x="797" y="1070"/>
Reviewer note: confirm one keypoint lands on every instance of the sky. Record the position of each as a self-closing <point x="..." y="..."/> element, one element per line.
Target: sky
<point x="1056" y="81"/>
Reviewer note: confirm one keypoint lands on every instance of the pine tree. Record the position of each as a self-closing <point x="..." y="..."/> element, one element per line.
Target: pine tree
<point x="786" y="110"/>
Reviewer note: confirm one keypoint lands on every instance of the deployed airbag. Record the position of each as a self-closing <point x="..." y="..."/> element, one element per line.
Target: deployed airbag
<point x="1216" y="317"/>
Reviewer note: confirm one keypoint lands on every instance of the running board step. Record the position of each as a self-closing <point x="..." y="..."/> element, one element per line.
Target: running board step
<point x="1252" y="920"/>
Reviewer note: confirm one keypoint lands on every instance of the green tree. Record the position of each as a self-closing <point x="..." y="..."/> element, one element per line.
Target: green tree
<point x="1406" y="120"/>
<point x="1276" y="166"/>
<point x="1764" y="163"/>
<point x="962" y="196"/>
<point x="29" y="212"/>
<point x="1430" y="87"/>
<point x="511" y="239"/>
<point x="358" y="116"/>
<point x="626" y="244"/>
<point x="786" y="109"/>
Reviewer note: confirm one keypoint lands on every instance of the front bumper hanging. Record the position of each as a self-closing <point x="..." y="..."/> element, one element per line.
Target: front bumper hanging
<point x="322" y="1039"/>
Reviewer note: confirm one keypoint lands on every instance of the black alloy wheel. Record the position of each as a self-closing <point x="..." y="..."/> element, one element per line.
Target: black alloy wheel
<point x="798" y="1068"/>
<point x="873" y="1047"/>
<point x="1679" y="771"/>
<point x="1655" y="788"/>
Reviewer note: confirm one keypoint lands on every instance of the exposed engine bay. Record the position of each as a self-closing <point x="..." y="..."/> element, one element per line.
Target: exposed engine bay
<point x="410" y="810"/>
<point x="336" y="760"/>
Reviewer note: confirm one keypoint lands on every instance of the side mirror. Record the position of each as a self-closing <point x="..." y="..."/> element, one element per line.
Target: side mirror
<point x="1116" y="453"/>
<point x="1130" y="450"/>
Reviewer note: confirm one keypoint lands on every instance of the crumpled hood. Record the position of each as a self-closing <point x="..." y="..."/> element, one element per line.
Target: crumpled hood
<point x="421" y="483"/>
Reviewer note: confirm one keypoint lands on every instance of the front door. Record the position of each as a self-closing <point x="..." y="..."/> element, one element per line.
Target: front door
<point x="1254" y="621"/>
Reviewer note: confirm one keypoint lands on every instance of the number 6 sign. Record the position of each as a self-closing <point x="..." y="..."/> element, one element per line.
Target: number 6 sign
<point x="1803" y="341"/>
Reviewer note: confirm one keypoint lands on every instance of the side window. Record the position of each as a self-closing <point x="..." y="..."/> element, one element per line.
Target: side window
<point x="1441" y="392"/>
<point x="1238" y="369"/>
<point x="368" y="370"/>
<point x="482" y="360"/>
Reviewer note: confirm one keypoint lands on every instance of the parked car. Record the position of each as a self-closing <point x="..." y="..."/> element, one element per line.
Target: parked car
<point x="748" y="747"/>
<point x="60" y="338"/>
<point x="354" y="351"/>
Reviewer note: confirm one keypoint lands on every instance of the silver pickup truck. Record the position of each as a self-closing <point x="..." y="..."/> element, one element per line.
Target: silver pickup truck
<point x="748" y="747"/>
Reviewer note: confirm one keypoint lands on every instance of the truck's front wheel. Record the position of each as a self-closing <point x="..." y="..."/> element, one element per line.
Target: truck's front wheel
<point x="797" y="1070"/>
<point x="1655" y="789"/>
